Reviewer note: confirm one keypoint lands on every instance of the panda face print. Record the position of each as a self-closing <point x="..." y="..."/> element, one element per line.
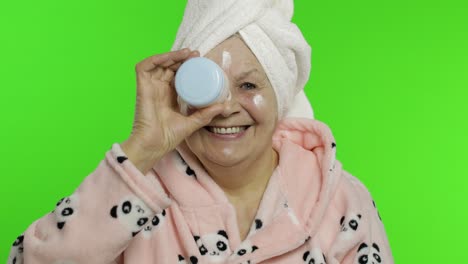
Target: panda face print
<point x="16" y="253"/>
<point x="215" y="246"/>
<point x="191" y="260"/>
<point x="65" y="209"/>
<point x="155" y="222"/>
<point x="132" y="213"/>
<point x="350" y="223"/>
<point x="314" y="256"/>
<point x="368" y="255"/>
<point x="244" y="249"/>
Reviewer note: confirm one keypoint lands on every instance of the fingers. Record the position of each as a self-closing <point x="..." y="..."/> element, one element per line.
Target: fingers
<point x="169" y="74"/>
<point x="167" y="59"/>
<point x="160" y="67"/>
<point x="173" y="64"/>
<point x="203" y="117"/>
<point x="193" y="54"/>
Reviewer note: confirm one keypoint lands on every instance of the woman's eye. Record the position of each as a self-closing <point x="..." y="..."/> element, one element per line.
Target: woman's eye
<point x="248" y="86"/>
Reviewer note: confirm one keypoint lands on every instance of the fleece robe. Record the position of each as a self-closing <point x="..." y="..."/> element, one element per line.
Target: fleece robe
<point x="312" y="211"/>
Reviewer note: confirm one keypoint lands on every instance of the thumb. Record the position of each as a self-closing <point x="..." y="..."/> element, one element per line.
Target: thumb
<point x="203" y="117"/>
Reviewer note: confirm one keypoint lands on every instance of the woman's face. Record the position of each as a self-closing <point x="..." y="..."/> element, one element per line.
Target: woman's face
<point x="250" y="116"/>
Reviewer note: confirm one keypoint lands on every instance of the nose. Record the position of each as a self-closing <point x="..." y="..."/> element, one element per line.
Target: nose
<point x="231" y="106"/>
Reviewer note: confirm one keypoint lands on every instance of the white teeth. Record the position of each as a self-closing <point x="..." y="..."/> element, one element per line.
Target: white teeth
<point x="229" y="130"/>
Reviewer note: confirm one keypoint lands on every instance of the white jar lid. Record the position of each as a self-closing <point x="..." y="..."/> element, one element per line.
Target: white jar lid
<point x="199" y="81"/>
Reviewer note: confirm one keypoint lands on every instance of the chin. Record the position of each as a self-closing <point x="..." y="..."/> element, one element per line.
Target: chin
<point x="224" y="157"/>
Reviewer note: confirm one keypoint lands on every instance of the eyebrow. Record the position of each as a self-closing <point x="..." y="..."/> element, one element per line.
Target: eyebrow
<point x="245" y="74"/>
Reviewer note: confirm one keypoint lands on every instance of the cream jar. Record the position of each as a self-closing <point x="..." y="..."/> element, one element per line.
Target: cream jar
<point x="200" y="82"/>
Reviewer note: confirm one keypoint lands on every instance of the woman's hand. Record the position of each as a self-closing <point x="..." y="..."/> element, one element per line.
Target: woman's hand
<point x="158" y="126"/>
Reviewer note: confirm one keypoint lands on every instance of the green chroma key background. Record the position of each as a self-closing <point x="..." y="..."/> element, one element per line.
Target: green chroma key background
<point x="389" y="78"/>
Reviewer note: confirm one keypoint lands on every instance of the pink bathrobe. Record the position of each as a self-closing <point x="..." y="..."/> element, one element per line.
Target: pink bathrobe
<point x="311" y="212"/>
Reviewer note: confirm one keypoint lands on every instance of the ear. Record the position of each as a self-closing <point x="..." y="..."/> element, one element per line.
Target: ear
<point x="374" y="245"/>
<point x="342" y="220"/>
<point x="18" y="240"/>
<point x="113" y="211"/>
<point x="194" y="259"/>
<point x="363" y="245"/>
<point x="223" y="233"/>
<point x="196" y="238"/>
<point x="258" y="223"/>
<point x="306" y="254"/>
<point x="121" y="159"/>
<point x="60" y="201"/>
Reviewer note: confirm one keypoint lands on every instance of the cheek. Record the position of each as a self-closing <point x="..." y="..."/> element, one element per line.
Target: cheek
<point x="259" y="101"/>
<point x="194" y="139"/>
<point x="261" y="107"/>
<point x="194" y="143"/>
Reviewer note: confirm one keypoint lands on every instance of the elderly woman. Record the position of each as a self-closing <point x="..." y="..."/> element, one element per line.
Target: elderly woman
<point x="241" y="181"/>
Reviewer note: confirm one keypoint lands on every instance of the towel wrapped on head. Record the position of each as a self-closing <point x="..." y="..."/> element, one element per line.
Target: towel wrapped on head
<point x="266" y="28"/>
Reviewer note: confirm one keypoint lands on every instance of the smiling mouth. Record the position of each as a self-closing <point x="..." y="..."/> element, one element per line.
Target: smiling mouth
<point x="226" y="130"/>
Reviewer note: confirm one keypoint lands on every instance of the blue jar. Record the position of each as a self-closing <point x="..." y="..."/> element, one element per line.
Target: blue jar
<point x="200" y="82"/>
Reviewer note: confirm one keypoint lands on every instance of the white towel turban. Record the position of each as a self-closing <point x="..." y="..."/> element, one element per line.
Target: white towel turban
<point x="266" y="28"/>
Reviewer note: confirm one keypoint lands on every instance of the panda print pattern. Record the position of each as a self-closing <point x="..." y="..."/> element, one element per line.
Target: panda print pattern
<point x="244" y="249"/>
<point x="314" y="256"/>
<point x="16" y="254"/>
<point x="132" y="213"/>
<point x="183" y="166"/>
<point x="214" y="246"/>
<point x="256" y="225"/>
<point x="368" y="255"/>
<point x="65" y="209"/>
<point x="378" y="214"/>
<point x="191" y="260"/>
<point x="190" y="172"/>
<point x="350" y="223"/>
<point x="157" y="221"/>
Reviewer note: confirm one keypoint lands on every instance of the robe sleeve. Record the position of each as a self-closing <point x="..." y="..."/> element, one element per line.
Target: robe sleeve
<point x="372" y="245"/>
<point x="98" y="220"/>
